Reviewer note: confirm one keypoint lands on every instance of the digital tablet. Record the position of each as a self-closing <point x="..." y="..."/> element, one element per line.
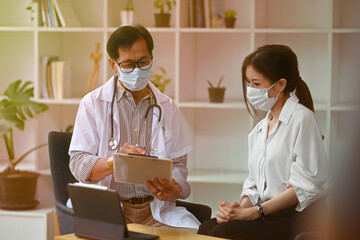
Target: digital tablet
<point x="135" y="169"/>
<point x="98" y="214"/>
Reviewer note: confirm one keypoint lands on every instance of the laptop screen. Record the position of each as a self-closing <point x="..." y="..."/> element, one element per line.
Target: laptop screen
<point x="97" y="204"/>
<point x="98" y="213"/>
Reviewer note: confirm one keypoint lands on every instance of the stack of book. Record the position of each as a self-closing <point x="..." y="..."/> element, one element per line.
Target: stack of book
<point x="205" y="13"/>
<point x="58" y="13"/>
<point x="55" y="78"/>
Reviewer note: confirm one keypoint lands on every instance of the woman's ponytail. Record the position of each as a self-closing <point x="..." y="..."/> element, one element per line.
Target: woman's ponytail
<point x="304" y="95"/>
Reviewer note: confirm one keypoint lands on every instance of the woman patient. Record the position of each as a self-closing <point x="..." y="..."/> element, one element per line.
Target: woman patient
<point x="286" y="159"/>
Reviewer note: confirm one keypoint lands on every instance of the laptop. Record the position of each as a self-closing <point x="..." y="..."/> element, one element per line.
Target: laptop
<point x="98" y="214"/>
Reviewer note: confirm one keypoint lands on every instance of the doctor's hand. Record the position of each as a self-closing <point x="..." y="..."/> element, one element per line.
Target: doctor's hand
<point x="164" y="189"/>
<point x="128" y="148"/>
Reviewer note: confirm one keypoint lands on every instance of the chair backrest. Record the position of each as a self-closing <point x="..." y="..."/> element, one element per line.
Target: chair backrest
<point x="59" y="143"/>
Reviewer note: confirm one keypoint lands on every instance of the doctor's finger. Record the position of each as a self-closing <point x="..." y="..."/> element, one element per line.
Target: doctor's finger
<point x="170" y="184"/>
<point x="158" y="184"/>
<point x="150" y="185"/>
<point x="128" y="148"/>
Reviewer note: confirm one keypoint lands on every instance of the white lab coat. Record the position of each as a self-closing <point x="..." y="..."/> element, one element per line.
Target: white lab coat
<point x="93" y="131"/>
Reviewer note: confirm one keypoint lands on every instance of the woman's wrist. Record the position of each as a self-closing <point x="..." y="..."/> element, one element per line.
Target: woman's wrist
<point x="254" y="213"/>
<point x="246" y="202"/>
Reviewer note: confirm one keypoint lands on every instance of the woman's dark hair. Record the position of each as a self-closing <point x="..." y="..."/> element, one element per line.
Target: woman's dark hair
<point x="124" y="37"/>
<point x="275" y="62"/>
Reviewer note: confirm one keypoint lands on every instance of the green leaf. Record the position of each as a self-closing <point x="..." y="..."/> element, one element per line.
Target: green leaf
<point x="163" y="70"/>
<point x="168" y="3"/>
<point x="18" y="107"/>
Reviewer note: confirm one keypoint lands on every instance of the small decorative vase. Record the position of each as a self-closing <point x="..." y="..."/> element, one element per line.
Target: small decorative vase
<point x="230" y="22"/>
<point x="162" y="19"/>
<point x="126" y="17"/>
<point x="216" y="95"/>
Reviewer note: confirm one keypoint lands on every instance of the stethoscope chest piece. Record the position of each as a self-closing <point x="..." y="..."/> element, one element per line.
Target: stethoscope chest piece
<point x="113" y="144"/>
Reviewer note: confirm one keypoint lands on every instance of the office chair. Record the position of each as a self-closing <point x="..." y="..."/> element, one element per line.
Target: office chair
<point x="308" y="236"/>
<point x="59" y="165"/>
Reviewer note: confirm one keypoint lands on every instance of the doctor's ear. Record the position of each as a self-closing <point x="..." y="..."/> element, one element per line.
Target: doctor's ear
<point x="112" y="65"/>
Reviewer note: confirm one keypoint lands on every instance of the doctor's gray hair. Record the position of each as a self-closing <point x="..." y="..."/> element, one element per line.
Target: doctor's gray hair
<point x="124" y="37"/>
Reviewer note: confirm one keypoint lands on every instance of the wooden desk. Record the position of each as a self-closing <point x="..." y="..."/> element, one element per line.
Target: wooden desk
<point x="165" y="234"/>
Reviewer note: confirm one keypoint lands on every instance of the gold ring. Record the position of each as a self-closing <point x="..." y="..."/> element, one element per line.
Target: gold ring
<point x="159" y="193"/>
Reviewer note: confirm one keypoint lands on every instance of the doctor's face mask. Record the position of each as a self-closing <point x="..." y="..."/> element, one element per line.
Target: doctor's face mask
<point x="135" y="80"/>
<point x="259" y="97"/>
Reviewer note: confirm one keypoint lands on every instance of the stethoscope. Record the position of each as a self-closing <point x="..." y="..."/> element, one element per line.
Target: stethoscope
<point x="113" y="143"/>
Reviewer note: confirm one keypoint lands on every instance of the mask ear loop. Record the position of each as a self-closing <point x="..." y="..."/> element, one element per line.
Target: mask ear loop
<point x="277" y="96"/>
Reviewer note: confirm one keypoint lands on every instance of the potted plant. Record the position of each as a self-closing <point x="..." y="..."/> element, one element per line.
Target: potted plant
<point x="216" y="94"/>
<point x="159" y="80"/>
<point x="230" y="18"/>
<point x="33" y="8"/>
<point x="127" y="15"/>
<point x="162" y="19"/>
<point x="17" y="188"/>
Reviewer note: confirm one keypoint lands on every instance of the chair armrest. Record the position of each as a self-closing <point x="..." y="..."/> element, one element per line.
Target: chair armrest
<point x="200" y="211"/>
<point x="64" y="209"/>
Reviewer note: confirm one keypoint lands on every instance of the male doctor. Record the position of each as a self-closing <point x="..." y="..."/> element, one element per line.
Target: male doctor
<point x="123" y="101"/>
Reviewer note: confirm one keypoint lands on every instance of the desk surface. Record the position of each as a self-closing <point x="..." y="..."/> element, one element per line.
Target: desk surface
<point x="167" y="234"/>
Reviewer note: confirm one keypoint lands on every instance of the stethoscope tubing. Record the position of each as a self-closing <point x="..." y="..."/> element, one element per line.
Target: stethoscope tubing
<point x="113" y="144"/>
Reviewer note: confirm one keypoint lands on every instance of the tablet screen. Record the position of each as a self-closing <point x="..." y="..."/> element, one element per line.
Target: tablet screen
<point x="136" y="169"/>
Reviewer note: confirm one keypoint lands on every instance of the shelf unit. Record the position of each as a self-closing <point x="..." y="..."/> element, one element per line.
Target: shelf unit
<point x="37" y="224"/>
<point x="324" y="34"/>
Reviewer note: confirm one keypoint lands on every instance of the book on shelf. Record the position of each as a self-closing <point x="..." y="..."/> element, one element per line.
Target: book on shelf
<point x="217" y="13"/>
<point x="51" y="13"/>
<point x="45" y="93"/>
<point x="207" y="13"/>
<point x="46" y="84"/>
<point x="199" y="13"/>
<point x="43" y="14"/>
<point x="55" y="78"/>
<point x="47" y="14"/>
<point x="66" y="14"/>
<point x="59" y="14"/>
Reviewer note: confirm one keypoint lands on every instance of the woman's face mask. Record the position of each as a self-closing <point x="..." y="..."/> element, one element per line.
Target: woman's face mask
<point x="259" y="98"/>
<point x="136" y="80"/>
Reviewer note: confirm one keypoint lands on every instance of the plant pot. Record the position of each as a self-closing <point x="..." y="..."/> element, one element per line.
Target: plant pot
<point x="216" y="95"/>
<point x="162" y="19"/>
<point x="230" y="22"/>
<point x="17" y="190"/>
<point x="126" y="17"/>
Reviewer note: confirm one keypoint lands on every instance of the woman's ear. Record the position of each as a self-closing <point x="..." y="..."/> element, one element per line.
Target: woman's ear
<point x="282" y="84"/>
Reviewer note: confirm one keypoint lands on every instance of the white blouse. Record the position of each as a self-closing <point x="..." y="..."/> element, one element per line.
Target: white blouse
<point x="292" y="155"/>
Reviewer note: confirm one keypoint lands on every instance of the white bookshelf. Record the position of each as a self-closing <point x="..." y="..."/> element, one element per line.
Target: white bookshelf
<point x="323" y="33"/>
